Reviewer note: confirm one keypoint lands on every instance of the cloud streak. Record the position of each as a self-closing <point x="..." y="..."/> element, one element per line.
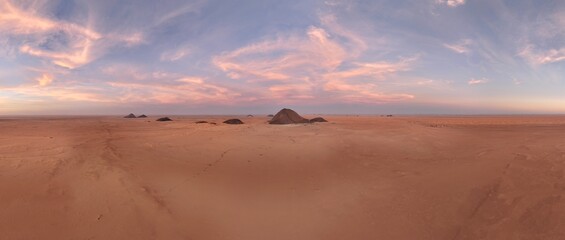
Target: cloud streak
<point x="138" y="86"/>
<point x="460" y="47"/>
<point x="154" y="88"/>
<point x="372" y="54"/>
<point x="174" y="55"/>
<point x="65" y="44"/>
<point x="451" y="3"/>
<point x="324" y="61"/>
<point x="283" y="57"/>
<point x="477" y="81"/>
<point x="44" y="93"/>
<point x="537" y="57"/>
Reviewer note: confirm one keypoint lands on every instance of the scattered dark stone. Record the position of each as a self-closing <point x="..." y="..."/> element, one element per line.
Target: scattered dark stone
<point x="213" y="123"/>
<point x="142" y="116"/>
<point x="201" y="122"/>
<point x="164" y="119"/>
<point x="318" y="119"/>
<point x="130" y="116"/>
<point x="288" y="116"/>
<point x="233" y="121"/>
<point x="389" y="115"/>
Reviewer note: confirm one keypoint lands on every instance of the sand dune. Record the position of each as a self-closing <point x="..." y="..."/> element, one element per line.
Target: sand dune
<point x="351" y="178"/>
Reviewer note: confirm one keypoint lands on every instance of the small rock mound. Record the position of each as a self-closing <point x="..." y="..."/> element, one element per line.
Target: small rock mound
<point x="318" y="119"/>
<point x="288" y="116"/>
<point x="142" y="116"/>
<point x="164" y="119"/>
<point x="249" y="115"/>
<point x="130" y="116"/>
<point x="270" y="115"/>
<point x="233" y="121"/>
<point x="197" y="122"/>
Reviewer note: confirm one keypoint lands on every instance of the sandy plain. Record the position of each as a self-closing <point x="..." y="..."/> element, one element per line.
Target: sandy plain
<point x="356" y="177"/>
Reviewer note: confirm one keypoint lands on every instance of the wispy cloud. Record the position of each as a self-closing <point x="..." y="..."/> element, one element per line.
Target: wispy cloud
<point x="136" y="85"/>
<point x="477" y="81"/>
<point x="58" y="93"/>
<point x="542" y="40"/>
<point x="175" y="54"/>
<point x="516" y="81"/>
<point x="460" y="46"/>
<point x="146" y="87"/>
<point x="313" y="65"/>
<point x="538" y="57"/>
<point x="194" y="6"/>
<point x="283" y="57"/>
<point x="451" y="3"/>
<point x="375" y="70"/>
<point x="330" y="52"/>
<point x="191" y="90"/>
<point x="66" y="44"/>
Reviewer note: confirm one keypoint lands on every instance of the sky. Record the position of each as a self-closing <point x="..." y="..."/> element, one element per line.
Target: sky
<point x="82" y="57"/>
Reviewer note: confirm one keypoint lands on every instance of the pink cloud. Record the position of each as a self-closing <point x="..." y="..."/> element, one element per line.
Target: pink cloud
<point x="355" y="43"/>
<point x="319" y="62"/>
<point x="547" y="29"/>
<point x="16" y="21"/>
<point x="124" y="72"/>
<point x="365" y="93"/>
<point x="175" y="55"/>
<point x="459" y="47"/>
<point x="135" y="85"/>
<point x="129" y="85"/>
<point x="537" y="57"/>
<point x="60" y="93"/>
<point x="189" y="89"/>
<point x="83" y="43"/>
<point x="45" y="79"/>
<point x="477" y="81"/>
<point x="375" y="70"/>
<point x="70" y="59"/>
<point x="282" y="58"/>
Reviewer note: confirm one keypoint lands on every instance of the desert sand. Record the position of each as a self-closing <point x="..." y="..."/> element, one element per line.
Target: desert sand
<point x="367" y="177"/>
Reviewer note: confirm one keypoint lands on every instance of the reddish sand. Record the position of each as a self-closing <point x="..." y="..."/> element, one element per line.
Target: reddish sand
<point x="352" y="178"/>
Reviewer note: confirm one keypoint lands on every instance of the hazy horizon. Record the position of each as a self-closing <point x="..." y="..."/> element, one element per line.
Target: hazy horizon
<point x="79" y="57"/>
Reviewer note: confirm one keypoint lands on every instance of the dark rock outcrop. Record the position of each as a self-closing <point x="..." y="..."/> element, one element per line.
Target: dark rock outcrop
<point x="318" y="119"/>
<point x="164" y="119"/>
<point x="287" y="116"/>
<point x="142" y="116"/>
<point x="130" y="116"/>
<point x="233" y="121"/>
